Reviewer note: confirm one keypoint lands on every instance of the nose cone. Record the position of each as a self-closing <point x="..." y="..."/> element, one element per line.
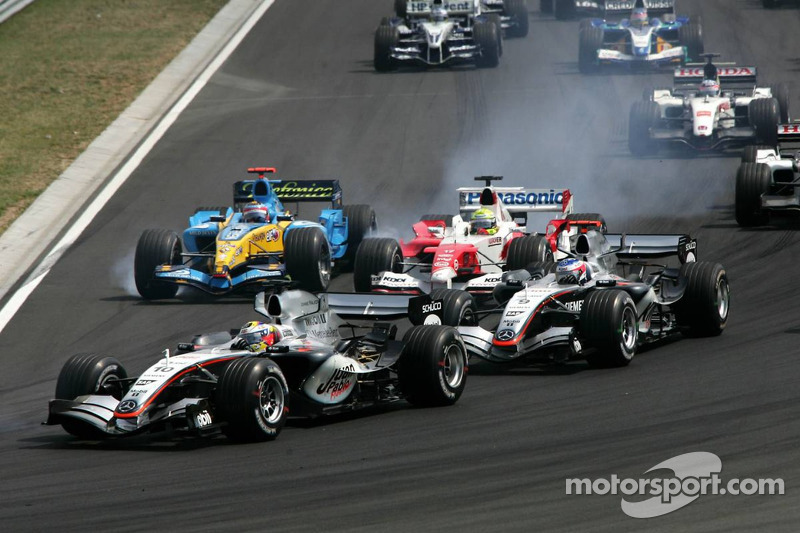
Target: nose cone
<point x="443" y="275"/>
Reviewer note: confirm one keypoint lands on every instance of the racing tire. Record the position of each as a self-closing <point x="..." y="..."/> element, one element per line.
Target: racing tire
<point x="540" y="269"/>
<point x="89" y="373"/>
<point x="753" y="180"/>
<point x="769" y="4"/>
<point x="751" y="151"/>
<point x="400" y="8"/>
<point x="495" y="19"/>
<point x="432" y="370"/>
<point x="252" y="399"/>
<point x="608" y="323"/>
<point x="591" y="217"/>
<point x="458" y="308"/>
<point x="308" y="258"/>
<point x="518" y="11"/>
<point x="361" y="221"/>
<point x="703" y="309"/>
<point x="691" y="36"/>
<point x="546" y="6"/>
<point x="525" y="250"/>
<point x="764" y="115"/>
<point x="590" y="39"/>
<point x="564" y="9"/>
<point x="386" y="37"/>
<point x="448" y="219"/>
<point x="781" y="93"/>
<point x="644" y="115"/>
<point x="487" y="37"/>
<point x="155" y="247"/>
<point x="374" y="256"/>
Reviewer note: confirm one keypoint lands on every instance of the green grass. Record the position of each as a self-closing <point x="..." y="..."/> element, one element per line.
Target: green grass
<point x="68" y="68"/>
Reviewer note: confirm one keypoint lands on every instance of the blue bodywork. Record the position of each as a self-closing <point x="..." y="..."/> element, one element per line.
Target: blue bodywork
<point x="629" y="45"/>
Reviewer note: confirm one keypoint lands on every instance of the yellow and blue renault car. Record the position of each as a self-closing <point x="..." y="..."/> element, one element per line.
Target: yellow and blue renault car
<point x="257" y="243"/>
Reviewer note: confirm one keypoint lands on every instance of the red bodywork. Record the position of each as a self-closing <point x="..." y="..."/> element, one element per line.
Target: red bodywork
<point x="557" y="226"/>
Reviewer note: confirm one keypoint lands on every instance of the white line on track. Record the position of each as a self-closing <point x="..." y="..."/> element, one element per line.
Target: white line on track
<point x="43" y="268"/>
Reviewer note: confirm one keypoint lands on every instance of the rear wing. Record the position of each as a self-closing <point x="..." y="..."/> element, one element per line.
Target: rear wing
<point x="422" y="8"/>
<point x="693" y="73"/>
<point x="518" y="199"/>
<point x="789" y="134"/>
<point x="647" y="246"/>
<point x="246" y="191"/>
<point x="624" y="7"/>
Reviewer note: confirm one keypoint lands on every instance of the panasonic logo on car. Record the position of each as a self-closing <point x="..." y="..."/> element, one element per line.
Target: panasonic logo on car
<point x="521" y="198"/>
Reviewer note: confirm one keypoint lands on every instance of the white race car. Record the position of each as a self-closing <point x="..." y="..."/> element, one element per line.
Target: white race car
<point x="709" y="107"/>
<point x="452" y="252"/>
<point x="768" y="179"/>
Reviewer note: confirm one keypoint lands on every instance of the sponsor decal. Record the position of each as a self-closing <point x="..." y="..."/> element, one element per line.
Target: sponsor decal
<point x="514" y="313"/>
<point x="510" y="323"/>
<point x="202" y="419"/>
<point x="293" y="189"/>
<point x="495" y="241"/>
<point x="338" y="383"/>
<point x="693" y="474"/>
<point x="505" y="335"/>
<point x="126" y="406"/>
<point x="703" y="114"/>
<point x="519" y="198"/>
<point x="315" y="320"/>
<point x="441" y="264"/>
<point x="137" y="392"/>
<point x="721" y="71"/>
<point x="788" y="128"/>
<point x="143" y="382"/>
<point x="270" y="235"/>
<point x="574" y="306"/>
<point x="431" y="307"/>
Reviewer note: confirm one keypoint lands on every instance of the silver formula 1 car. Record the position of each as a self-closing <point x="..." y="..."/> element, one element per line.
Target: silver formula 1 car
<point x="439" y="33"/>
<point x="302" y="366"/>
<point x="710" y="107"/>
<point x="768" y="179"/>
<point x="584" y="308"/>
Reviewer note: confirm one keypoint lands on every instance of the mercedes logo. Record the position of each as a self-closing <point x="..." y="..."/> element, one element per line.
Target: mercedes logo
<point x="126" y="407"/>
<point x="505" y="334"/>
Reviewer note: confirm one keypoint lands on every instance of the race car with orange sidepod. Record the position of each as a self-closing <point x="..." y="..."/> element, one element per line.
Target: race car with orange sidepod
<point x="299" y="364"/>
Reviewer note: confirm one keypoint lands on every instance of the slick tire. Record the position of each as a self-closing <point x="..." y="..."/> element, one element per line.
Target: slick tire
<point x="252" y="399"/>
<point x="753" y="180"/>
<point x="691" y="36"/>
<point x="781" y="94"/>
<point x="608" y="323"/>
<point x="590" y="39"/>
<point x="540" y="269"/>
<point x="644" y="115"/>
<point x="703" y="309"/>
<point x="400" y="8"/>
<point x="308" y="258"/>
<point x="89" y="373"/>
<point x="432" y="370"/>
<point x="386" y="37"/>
<point x="487" y="37"/>
<point x="458" y="308"/>
<point x="518" y="11"/>
<point x="361" y="221"/>
<point x="751" y="151"/>
<point x="448" y="219"/>
<point x="564" y="9"/>
<point x="764" y="115"/>
<point x="525" y="250"/>
<point x="594" y="217"/>
<point x="374" y="256"/>
<point x="155" y="247"/>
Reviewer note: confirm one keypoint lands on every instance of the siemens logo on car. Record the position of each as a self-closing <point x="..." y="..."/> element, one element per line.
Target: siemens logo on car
<point x="521" y="198"/>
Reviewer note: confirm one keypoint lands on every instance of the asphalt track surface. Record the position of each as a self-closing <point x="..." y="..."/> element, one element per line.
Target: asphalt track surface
<point x="300" y="94"/>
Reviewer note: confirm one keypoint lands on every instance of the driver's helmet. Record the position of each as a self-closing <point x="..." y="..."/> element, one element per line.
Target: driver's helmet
<point x="639" y="17"/>
<point x="438" y="13"/>
<point x="573" y="272"/>
<point x="483" y="222"/>
<point x="255" y="212"/>
<point x="258" y="335"/>
<point x="709" y="88"/>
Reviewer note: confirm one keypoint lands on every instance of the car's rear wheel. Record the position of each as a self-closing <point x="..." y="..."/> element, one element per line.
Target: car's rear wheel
<point x="487" y="37"/>
<point x="308" y="258"/>
<point x="525" y="250"/>
<point x="361" y="221"/>
<point x="781" y="93"/>
<point x="155" y="247"/>
<point x="432" y="370"/>
<point x="691" y="36"/>
<point x="518" y="11"/>
<point x="644" y="115"/>
<point x="764" y="115"/>
<point x="89" y="373"/>
<point x="373" y="257"/>
<point x="252" y="399"/>
<point x="703" y="309"/>
<point x="753" y="180"/>
<point x="608" y="323"/>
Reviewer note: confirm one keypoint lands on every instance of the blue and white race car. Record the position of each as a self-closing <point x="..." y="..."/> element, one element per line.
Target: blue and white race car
<point x="256" y="243"/>
<point x="638" y="41"/>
